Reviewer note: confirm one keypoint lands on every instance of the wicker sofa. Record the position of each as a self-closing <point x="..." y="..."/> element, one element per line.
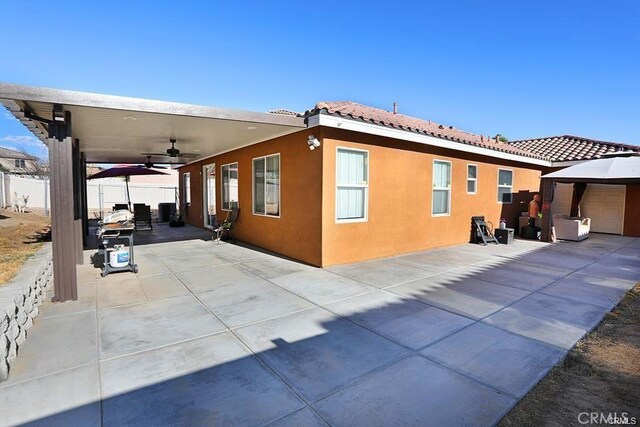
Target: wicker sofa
<point x="568" y="228"/>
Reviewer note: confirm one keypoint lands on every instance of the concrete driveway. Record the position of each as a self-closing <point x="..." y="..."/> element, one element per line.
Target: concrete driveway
<point x="220" y="334"/>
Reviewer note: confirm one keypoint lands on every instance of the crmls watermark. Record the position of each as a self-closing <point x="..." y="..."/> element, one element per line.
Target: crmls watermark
<point x="606" y="418"/>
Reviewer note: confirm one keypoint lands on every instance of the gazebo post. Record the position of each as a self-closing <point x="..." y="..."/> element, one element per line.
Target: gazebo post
<point x="547" y="198"/>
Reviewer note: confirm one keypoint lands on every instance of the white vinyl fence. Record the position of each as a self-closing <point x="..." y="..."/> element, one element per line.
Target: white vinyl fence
<point x="101" y="194"/>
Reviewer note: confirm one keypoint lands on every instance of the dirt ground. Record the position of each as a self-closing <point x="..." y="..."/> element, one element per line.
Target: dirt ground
<point x="21" y="235"/>
<point x="601" y="374"/>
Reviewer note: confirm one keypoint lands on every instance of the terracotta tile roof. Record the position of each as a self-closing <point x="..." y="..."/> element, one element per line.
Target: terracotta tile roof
<point x="284" y="112"/>
<point x="569" y="147"/>
<point x="412" y="124"/>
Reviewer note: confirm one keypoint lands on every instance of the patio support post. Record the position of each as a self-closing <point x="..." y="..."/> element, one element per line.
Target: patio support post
<point x="85" y="208"/>
<point x="77" y="201"/>
<point x="547" y="198"/>
<point x="63" y="228"/>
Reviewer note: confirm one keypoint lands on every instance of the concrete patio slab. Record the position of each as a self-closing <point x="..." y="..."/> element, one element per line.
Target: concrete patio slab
<point x="172" y="360"/>
<point x="520" y="275"/>
<point x="123" y="292"/>
<point x="209" y="278"/>
<point x="305" y="417"/>
<point x="243" y="303"/>
<point x="207" y="381"/>
<point x="466" y="296"/>
<point x="415" y="391"/>
<point x="549" y="319"/>
<point x="185" y="262"/>
<point x="150" y="266"/>
<point x="405" y="321"/>
<point x="630" y="258"/>
<point x="50" y="348"/>
<point x="507" y="362"/>
<point x="87" y="301"/>
<point x="558" y="259"/>
<point x="610" y="267"/>
<point x="321" y="286"/>
<point x="633" y="244"/>
<point x="87" y="274"/>
<point x="67" y="398"/>
<point x="380" y="273"/>
<point x="127" y="329"/>
<point x="317" y="352"/>
<point x="587" y="289"/>
<point x="180" y="248"/>
<point x="162" y="286"/>
<point x="235" y="254"/>
<point x="270" y="267"/>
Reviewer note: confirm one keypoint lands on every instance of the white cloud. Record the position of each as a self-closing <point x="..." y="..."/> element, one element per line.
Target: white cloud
<point x="23" y="140"/>
<point x="7" y="115"/>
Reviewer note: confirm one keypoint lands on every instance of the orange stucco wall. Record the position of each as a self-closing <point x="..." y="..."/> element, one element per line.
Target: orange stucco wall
<point x="399" y="208"/>
<point x="632" y="211"/>
<point x="297" y="232"/>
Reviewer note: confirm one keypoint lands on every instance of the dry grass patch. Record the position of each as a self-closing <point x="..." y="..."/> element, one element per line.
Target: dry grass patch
<point x="21" y="235"/>
<point x="601" y="374"/>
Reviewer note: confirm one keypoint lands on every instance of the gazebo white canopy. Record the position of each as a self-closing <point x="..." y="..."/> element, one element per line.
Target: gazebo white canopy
<point x="613" y="170"/>
<point x="81" y="128"/>
<point x="622" y="169"/>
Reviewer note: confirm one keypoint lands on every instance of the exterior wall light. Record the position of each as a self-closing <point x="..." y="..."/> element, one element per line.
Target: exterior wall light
<point x="313" y="142"/>
<point x="58" y="113"/>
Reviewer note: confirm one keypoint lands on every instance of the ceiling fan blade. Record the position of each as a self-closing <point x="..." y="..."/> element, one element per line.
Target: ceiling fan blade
<point x="154" y="154"/>
<point x="189" y="155"/>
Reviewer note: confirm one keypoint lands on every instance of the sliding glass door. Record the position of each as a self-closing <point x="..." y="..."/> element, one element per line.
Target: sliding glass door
<point x="209" y="176"/>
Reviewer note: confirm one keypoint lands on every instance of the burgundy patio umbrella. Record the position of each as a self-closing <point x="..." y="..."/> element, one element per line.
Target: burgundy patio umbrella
<point x="125" y="171"/>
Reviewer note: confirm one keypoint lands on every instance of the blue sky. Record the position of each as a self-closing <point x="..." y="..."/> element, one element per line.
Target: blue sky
<point x="523" y="69"/>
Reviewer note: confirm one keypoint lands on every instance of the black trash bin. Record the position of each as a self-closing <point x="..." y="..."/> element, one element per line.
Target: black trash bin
<point x="165" y="210"/>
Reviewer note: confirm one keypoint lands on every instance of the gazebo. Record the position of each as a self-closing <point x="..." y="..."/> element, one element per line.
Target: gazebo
<point x="620" y="168"/>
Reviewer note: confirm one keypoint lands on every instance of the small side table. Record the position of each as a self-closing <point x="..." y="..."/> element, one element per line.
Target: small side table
<point x="504" y="235"/>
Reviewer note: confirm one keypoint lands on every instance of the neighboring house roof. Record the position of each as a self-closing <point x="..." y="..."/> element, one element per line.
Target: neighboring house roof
<point x="6" y="153"/>
<point x="569" y="147"/>
<point x="411" y="124"/>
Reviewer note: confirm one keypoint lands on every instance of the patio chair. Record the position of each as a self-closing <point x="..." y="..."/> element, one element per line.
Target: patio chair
<point x="142" y="213"/>
<point x="120" y="207"/>
<point x="224" y="228"/>
<point x="483" y="231"/>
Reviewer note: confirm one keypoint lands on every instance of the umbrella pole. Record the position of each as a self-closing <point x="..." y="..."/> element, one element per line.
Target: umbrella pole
<point x="126" y="180"/>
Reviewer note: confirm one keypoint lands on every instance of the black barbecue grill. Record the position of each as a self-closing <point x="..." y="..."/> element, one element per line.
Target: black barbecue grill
<point x="115" y="228"/>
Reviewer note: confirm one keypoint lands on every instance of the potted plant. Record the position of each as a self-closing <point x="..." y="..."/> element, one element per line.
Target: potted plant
<point x="176" y="220"/>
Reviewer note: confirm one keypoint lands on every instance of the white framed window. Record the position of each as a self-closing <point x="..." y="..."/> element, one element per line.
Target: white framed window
<point x="472" y="179"/>
<point x="505" y="186"/>
<point x="441" y="193"/>
<point x="352" y="185"/>
<point x="186" y="185"/>
<point x="266" y="185"/>
<point x="229" y="173"/>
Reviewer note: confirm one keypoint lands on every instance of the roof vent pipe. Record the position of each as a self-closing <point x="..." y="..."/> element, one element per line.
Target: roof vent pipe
<point x="395" y="108"/>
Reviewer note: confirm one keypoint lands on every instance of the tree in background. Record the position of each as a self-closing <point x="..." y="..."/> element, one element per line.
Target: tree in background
<point x="36" y="166"/>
